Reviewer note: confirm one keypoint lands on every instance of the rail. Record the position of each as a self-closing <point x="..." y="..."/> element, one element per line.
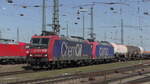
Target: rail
<point x="83" y="75"/>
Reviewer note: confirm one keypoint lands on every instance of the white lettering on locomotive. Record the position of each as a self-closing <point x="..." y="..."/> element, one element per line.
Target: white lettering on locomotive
<point x="78" y="50"/>
<point x="71" y="50"/>
<point x="63" y="49"/>
<point x="103" y="51"/>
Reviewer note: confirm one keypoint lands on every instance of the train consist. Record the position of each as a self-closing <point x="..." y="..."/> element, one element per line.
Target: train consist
<point x="55" y="51"/>
<point x="11" y="52"/>
<point x="146" y="54"/>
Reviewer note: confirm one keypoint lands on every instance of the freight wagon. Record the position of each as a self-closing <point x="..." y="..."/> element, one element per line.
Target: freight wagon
<point x="120" y="51"/>
<point x="146" y="54"/>
<point x="127" y="52"/>
<point x="134" y="52"/>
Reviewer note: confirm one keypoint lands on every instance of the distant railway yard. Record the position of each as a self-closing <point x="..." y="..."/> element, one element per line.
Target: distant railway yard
<point x="131" y="72"/>
<point x="51" y="57"/>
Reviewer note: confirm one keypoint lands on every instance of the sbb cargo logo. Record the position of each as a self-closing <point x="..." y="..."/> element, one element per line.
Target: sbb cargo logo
<point x="103" y="51"/>
<point x="71" y="49"/>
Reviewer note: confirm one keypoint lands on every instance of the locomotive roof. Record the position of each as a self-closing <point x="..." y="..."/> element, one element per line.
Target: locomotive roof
<point x="39" y="36"/>
<point x="6" y="39"/>
<point x="72" y="38"/>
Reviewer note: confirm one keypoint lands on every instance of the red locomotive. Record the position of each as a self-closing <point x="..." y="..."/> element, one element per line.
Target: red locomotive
<point x="53" y="51"/>
<point x="11" y="52"/>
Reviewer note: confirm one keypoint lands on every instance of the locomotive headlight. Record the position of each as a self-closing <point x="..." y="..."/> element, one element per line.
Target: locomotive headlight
<point x="27" y="46"/>
<point x="27" y="52"/>
<point x="45" y="55"/>
<point x="31" y="55"/>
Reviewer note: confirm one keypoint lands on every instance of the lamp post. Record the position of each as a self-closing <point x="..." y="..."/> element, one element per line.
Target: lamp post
<point x="67" y="26"/>
<point x="18" y="35"/>
<point x="92" y="34"/>
<point x="83" y="20"/>
<point x="122" y="26"/>
<point x="83" y="25"/>
<point x="121" y="20"/>
<point x="67" y="30"/>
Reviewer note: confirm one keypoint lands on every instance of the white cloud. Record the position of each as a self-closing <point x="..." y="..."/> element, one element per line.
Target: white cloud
<point x="3" y="8"/>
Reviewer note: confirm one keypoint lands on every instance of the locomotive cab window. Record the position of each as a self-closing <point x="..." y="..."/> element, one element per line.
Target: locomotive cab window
<point x="44" y="41"/>
<point x="35" y="40"/>
<point x="39" y="42"/>
<point x="104" y="43"/>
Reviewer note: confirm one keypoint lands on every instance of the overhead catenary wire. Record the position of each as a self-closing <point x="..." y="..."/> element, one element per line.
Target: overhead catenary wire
<point x="134" y="26"/>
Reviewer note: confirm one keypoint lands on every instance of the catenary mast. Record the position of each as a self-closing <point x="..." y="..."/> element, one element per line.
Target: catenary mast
<point x="44" y="16"/>
<point x="55" y="22"/>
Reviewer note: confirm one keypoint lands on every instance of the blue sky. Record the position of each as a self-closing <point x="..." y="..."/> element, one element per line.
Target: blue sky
<point x="104" y="20"/>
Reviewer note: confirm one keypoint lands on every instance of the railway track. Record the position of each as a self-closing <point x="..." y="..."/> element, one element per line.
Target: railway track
<point x="27" y="70"/>
<point x="145" y="80"/>
<point x="62" y="78"/>
<point x="19" y="72"/>
<point x="15" y="72"/>
<point x="124" y="79"/>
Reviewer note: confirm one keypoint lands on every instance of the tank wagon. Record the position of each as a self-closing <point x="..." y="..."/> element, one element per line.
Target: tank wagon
<point x="127" y="52"/>
<point x="133" y="52"/>
<point x="146" y="54"/>
<point x="11" y="52"/>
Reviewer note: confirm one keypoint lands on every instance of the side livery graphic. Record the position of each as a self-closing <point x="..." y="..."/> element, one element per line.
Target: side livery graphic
<point x="71" y="49"/>
<point x="103" y="51"/>
<point x="64" y="49"/>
